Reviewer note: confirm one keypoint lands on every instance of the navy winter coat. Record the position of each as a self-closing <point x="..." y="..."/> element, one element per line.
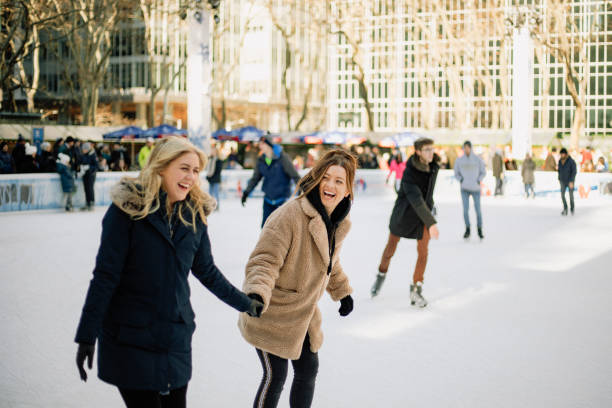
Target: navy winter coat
<point x="567" y="171"/>
<point x="137" y="305"/>
<point x="277" y="177"/>
<point x="412" y="209"/>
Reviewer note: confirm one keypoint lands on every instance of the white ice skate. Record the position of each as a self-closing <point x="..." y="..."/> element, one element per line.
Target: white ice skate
<point x="416" y="296"/>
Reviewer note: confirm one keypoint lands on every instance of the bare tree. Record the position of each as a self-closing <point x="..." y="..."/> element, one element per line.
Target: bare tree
<point x="225" y="61"/>
<point x="87" y="36"/>
<point x="564" y="30"/>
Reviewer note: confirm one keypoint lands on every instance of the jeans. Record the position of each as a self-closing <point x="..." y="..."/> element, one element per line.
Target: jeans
<point x="268" y="209"/>
<point x="275" y="373"/>
<point x="565" y="186"/>
<point x="213" y="190"/>
<point x="465" y="198"/>
<point x="499" y="184"/>
<point x="153" y="399"/>
<point x="529" y="187"/>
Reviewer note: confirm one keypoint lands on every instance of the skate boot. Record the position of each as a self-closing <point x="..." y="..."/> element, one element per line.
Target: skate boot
<point x="480" y="233"/>
<point x="380" y="279"/>
<point x="68" y="202"/>
<point x="416" y="296"/>
<point x="564" y="212"/>
<point x="467" y="233"/>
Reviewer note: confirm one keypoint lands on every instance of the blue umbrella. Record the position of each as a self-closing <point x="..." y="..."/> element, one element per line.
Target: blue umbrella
<point x="249" y="134"/>
<point x="130" y="131"/>
<point x="222" y="134"/>
<point x="400" y="140"/>
<point x="163" y="130"/>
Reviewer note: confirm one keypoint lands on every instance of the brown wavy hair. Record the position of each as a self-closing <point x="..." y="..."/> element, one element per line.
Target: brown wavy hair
<point x="139" y="196"/>
<point x="336" y="157"/>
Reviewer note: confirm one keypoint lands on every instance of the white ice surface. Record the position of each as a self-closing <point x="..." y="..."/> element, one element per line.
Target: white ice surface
<point x="523" y="319"/>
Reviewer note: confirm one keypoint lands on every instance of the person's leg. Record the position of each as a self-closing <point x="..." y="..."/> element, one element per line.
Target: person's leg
<point x="527" y="190"/>
<point x="563" y="187"/>
<point x="177" y="398"/>
<point x="465" y="200"/>
<point x="304" y="376"/>
<point x="476" y="197"/>
<point x="267" y="210"/>
<point x="140" y="398"/>
<point x="497" y="186"/>
<point x="571" y="195"/>
<point x="274" y="376"/>
<point x="422" y="252"/>
<point x="388" y="253"/>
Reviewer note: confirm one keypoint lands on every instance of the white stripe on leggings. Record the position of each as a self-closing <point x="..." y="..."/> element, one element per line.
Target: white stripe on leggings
<point x="266" y="387"/>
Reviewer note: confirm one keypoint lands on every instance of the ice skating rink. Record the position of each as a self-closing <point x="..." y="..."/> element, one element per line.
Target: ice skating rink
<point x="523" y="319"/>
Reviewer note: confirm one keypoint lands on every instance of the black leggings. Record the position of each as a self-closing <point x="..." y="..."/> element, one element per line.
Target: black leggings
<point x="153" y="399"/>
<point x="275" y="373"/>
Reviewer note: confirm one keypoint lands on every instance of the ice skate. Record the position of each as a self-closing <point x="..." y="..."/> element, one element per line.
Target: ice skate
<point x="564" y="212"/>
<point x="380" y="279"/>
<point x="466" y="236"/>
<point x="480" y="235"/>
<point x="416" y="297"/>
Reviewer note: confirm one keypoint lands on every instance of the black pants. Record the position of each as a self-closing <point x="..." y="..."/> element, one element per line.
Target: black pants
<point x="153" y="399"/>
<point x="88" y="185"/>
<point x="565" y="186"/>
<point x="499" y="186"/>
<point x="275" y="373"/>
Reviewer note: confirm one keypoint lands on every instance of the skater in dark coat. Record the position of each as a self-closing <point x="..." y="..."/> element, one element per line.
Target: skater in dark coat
<point x="277" y="171"/>
<point x="567" y="176"/>
<point x="89" y="167"/>
<point x="412" y="216"/>
<point x="137" y="307"/>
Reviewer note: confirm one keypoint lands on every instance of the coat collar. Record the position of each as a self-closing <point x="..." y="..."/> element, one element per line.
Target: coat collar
<point x="159" y="220"/>
<point x="317" y="228"/>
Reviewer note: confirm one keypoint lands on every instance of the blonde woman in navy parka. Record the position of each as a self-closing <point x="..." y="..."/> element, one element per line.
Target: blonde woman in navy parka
<point x="137" y="306"/>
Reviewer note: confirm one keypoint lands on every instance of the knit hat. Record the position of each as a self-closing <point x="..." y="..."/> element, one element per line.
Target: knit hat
<point x="86" y="146"/>
<point x="267" y="139"/>
<point x="69" y="139"/>
<point x="30" y="150"/>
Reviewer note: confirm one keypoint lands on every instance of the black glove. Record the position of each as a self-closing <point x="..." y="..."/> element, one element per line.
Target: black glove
<point x="346" y="305"/>
<point x="256" y="306"/>
<point x="85" y="351"/>
<point x="244" y="198"/>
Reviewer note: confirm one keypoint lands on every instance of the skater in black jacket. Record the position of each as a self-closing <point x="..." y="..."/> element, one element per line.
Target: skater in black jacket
<point x="137" y="307"/>
<point x="412" y="216"/>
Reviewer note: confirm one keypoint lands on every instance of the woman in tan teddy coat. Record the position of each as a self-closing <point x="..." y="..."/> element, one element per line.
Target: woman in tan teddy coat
<point x="294" y="262"/>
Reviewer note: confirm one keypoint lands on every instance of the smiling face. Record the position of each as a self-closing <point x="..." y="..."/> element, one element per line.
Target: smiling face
<point x="333" y="187"/>
<point x="180" y="176"/>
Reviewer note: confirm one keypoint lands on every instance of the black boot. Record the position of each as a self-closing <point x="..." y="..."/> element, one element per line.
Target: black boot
<point x="467" y="233"/>
<point x="564" y="212"/>
<point x="480" y="233"/>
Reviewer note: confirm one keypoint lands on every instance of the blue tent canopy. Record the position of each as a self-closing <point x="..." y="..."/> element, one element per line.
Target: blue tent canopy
<point x="163" y="130"/>
<point x="130" y="131"/>
<point x="400" y="139"/>
<point x="223" y="134"/>
<point x="249" y="134"/>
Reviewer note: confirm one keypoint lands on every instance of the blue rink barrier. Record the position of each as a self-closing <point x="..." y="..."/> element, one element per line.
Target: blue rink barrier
<point x="22" y="192"/>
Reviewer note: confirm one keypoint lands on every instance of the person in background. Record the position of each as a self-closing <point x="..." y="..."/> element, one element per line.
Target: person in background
<point x="498" y="172"/>
<point x="18" y="153"/>
<point x="7" y="166"/>
<point x="396" y="167"/>
<point x="295" y="261"/>
<point x="137" y="307"/>
<point x="46" y="160"/>
<point x="470" y="171"/>
<point x="89" y="167"/>
<point x="412" y="217"/>
<point x="275" y="168"/>
<point x="29" y="163"/>
<point x="550" y="163"/>
<point x="567" y="176"/>
<point x="528" y="174"/>
<point x="66" y="176"/>
<point x="213" y="174"/>
<point x="56" y="146"/>
<point x="602" y="165"/>
<point x="145" y="151"/>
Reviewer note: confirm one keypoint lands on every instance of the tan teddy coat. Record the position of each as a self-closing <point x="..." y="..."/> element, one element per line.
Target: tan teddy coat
<point x="288" y="269"/>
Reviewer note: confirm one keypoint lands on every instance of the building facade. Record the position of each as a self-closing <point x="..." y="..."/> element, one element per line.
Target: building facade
<point x="447" y="64"/>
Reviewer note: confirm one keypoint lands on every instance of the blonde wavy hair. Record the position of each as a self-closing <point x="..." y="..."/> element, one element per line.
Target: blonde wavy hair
<point x="139" y="196"/>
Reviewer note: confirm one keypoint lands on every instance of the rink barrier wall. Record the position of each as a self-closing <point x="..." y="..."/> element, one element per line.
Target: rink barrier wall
<point x="23" y="192"/>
